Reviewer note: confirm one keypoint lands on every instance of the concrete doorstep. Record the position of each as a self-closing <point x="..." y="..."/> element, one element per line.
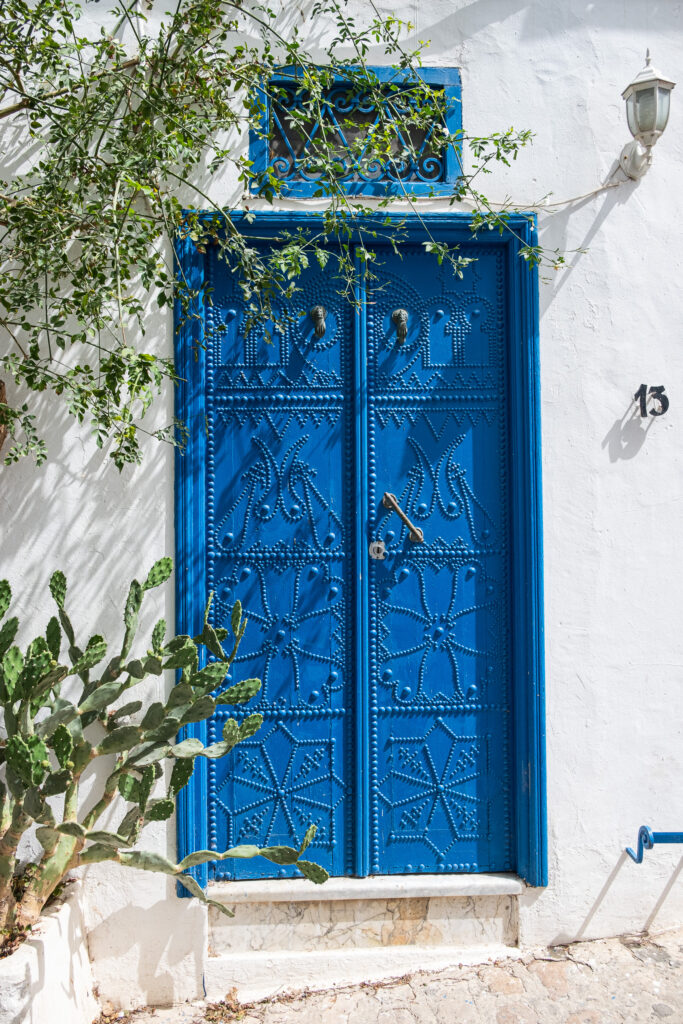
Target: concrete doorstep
<point x="628" y="980"/>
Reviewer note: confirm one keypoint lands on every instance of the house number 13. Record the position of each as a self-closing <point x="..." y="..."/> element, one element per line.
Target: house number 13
<point x="656" y="395"/>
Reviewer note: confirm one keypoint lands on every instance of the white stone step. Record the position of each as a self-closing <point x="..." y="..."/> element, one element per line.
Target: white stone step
<point x="288" y="935"/>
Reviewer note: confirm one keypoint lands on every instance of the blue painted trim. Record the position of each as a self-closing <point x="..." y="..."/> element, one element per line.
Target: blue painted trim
<point x="647" y="840"/>
<point x="362" y="696"/>
<point x="190" y="564"/>
<point x="447" y="78"/>
<point x="525" y="480"/>
<point x="527" y="565"/>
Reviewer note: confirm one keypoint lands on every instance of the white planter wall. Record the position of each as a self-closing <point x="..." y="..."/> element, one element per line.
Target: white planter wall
<point x="48" y="978"/>
<point x="613" y="485"/>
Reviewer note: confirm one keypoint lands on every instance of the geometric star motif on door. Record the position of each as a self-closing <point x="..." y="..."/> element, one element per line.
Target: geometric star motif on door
<point x="288" y="609"/>
<point x="430" y="624"/>
<point x="282" y="784"/>
<point x="438" y="769"/>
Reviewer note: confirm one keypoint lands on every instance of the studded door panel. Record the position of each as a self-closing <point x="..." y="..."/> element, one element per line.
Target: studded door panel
<point x="439" y="668"/>
<point x="286" y="424"/>
<point x="280" y="443"/>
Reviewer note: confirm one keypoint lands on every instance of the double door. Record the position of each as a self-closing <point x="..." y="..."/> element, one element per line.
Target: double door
<point x="383" y="646"/>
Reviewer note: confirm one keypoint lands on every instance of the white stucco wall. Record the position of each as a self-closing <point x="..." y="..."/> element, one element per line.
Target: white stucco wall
<point x="613" y="484"/>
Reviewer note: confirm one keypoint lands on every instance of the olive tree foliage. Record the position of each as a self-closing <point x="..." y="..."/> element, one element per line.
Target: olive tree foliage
<point x="106" y="140"/>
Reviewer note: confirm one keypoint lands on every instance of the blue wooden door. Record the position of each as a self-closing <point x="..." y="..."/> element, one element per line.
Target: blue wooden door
<point x="386" y="680"/>
<point x="438" y="611"/>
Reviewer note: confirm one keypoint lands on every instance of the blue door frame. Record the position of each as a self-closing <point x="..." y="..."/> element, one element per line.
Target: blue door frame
<point x="194" y="481"/>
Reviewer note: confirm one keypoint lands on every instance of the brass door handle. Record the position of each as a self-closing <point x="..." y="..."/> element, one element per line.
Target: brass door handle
<point x="416" y="534"/>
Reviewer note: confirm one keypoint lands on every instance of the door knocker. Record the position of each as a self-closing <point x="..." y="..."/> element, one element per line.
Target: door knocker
<point x="318" y="314"/>
<point x="400" y="319"/>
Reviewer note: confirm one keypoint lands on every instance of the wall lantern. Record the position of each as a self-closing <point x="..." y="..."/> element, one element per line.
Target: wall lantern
<point x="647" y="111"/>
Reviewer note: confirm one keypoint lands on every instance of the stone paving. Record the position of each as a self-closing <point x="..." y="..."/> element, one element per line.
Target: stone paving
<point x="632" y="979"/>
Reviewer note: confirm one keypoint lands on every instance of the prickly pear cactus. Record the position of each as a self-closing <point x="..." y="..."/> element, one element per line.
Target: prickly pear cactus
<point x="46" y="749"/>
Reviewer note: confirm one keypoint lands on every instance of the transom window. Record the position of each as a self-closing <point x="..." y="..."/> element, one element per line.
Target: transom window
<point x="292" y="143"/>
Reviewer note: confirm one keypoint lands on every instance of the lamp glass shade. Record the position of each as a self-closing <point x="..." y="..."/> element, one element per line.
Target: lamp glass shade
<point x="646" y="109"/>
<point x="631" y="114"/>
<point x="663" y="102"/>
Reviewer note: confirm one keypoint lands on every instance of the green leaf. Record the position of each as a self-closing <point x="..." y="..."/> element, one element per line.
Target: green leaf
<point x="181" y="774"/>
<point x="147" y="753"/>
<point x="152" y="665"/>
<point x="7" y="634"/>
<point x="5" y="597"/>
<point x="131" y="825"/>
<point x="66" y="626"/>
<point x="188" y="748"/>
<point x="240" y="693"/>
<point x="123" y="738"/>
<point x="34" y="671"/>
<point x="113" y="669"/>
<point x="184" y="657"/>
<point x="82" y="752"/>
<point x="231" y="732"/>
<point x="313" y="872"/>
<point x="104" y="695"/>
<point x="159" y="573"/>
<point x="96" y="853"/>
<point x="63" y="745"/>
<point x="146" y="783"/>
<point x="48" y="837"/>
<point x="128" y="709"/>
<point x="210" y="676"/>
<point x="199" y="711"/>
<point x="147" y="861"/>
<point x="280" y="854"/>
<point x="130" y="616"/>
<point x="52" y="678"/>
<point x="250" y="725"/>
<point x="217" y="749"/>
<point x="107" y="838"/>
<point x="164" y="732"/>
<point x="54" y="637"/>
<point x="308" y="838"/>
<point x="175" y="643"/>
<point x="93" y="654"/>
<point x="129" y="788"/>
<point x="58" y="587"/>
<point x="236" y="617"/>
<point x="57" y="782"/>
<point x="12" y="665"/>
<point x="35" y="805"/>
<point x="159" y="810"/>
<point x="194" y="887"/>
<point x="209" y="637"/>
<point x="154" y="716"/>
<point x="63" y="713"/>
<point x="72" y="828"/>
<point x="14" y="783"/>
<point x="27" y="755"/>
<point x="135" y="669"/>
<point x="179" y="696"/>
<point x="206" y="856"/>
<point x="158" y="634"/>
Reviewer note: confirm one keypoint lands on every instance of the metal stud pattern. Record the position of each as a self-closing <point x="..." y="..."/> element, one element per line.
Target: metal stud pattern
<point x="428" y="704"/>
<point x="439" y="620"/>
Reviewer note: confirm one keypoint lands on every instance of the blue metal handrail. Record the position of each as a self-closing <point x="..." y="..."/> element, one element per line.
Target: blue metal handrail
<point x="647" y="839"/>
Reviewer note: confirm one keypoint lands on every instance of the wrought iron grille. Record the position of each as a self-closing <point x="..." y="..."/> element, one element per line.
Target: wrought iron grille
<point x="291" y="142"/>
